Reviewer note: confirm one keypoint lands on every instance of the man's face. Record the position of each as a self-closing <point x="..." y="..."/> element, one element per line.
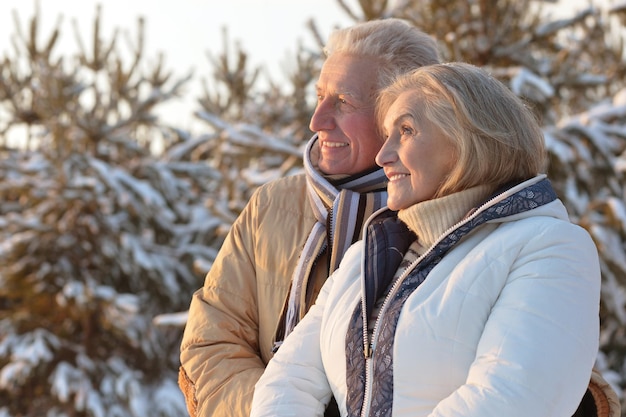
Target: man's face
<point x="344" y="116"/>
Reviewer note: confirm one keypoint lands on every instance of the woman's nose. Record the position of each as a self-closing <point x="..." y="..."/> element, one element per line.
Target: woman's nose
<point x="386" y="155"/>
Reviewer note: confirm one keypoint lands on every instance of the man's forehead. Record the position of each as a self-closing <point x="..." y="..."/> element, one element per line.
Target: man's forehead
<point x="348" y="73"/>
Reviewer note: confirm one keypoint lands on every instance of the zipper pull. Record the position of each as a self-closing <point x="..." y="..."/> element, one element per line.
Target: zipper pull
<point x="367" y="351"/>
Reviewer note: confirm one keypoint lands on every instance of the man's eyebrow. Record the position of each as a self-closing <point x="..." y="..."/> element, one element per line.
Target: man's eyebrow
<point x="338" y="91"/>
<point x="345" y="91"/>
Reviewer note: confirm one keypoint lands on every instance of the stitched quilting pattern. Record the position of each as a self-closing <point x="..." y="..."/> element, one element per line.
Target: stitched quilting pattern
<point x="382" y="389"/>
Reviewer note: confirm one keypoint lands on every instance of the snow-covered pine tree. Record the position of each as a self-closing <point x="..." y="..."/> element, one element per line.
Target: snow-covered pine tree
<point x="99" y="235"/>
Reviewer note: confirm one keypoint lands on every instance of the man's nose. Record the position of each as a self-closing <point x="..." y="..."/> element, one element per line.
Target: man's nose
<point x="323" y="116"/>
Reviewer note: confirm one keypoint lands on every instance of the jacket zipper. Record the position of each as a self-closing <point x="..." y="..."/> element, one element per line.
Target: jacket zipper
<point x="370" y="346"/>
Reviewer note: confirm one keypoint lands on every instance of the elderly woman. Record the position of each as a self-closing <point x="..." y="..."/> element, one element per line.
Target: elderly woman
<point x="471" y="294"/>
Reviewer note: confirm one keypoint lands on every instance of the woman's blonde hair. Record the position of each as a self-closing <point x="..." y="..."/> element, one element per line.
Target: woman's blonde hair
<point x="497" y="138"/>
<point x="395" y="46"/>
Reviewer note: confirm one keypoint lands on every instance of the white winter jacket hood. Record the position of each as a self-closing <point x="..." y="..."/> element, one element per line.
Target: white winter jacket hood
<point x="499" y="318"/>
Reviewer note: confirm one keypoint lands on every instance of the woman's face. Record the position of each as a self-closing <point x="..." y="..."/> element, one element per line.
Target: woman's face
<point x="344" y="117"/>
<point x="416" y="155"/>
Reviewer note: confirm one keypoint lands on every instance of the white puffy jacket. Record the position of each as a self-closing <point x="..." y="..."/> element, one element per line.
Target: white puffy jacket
<point x="505" y="325"/>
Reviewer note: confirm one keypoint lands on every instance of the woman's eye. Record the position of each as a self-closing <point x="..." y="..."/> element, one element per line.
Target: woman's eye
<point x="405" y="130"/>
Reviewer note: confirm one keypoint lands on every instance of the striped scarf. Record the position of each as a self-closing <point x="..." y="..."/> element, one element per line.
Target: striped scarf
<point x="342" y="208"/>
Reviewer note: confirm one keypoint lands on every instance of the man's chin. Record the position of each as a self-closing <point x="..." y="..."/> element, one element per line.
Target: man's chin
<point x="336" y="169"/>
<point x="329" y="168"/>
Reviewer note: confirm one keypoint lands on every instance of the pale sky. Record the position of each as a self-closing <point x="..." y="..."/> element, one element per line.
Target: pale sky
<point x="185" y="30"/>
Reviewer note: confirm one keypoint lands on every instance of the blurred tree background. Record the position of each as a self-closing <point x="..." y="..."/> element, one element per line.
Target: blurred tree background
<point x="109" y="218"/>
